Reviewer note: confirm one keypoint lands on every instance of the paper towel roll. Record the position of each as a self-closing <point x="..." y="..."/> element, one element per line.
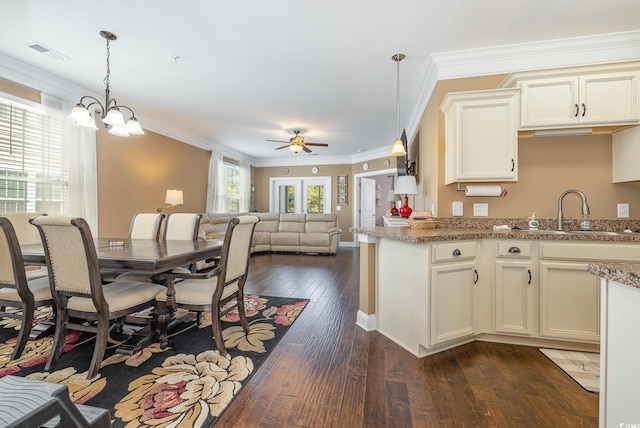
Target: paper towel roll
<point x="486" y="190"/>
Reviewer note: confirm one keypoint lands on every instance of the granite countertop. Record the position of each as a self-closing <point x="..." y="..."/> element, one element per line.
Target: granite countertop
<point x="624" y="273"/>
<point x="458" y="234"/>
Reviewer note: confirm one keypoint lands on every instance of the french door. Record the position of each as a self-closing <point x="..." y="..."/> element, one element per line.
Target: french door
<point x="300" y="195"/>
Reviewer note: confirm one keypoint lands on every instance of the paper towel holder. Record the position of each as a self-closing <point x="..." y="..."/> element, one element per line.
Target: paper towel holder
<point x="463" y="189"/>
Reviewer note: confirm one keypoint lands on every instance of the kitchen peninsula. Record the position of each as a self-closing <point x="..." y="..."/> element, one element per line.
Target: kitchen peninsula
<point x="434" y="289"/>
<point x="619" y="350"/>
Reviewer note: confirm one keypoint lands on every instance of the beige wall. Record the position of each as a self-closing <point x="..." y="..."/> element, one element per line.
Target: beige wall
<point x="547" y="167"/>
<point x="134" y="174"/>
<point x="18" y="90"/>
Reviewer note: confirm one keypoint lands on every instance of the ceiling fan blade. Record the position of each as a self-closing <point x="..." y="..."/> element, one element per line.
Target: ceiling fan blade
<point x="278" y="141"/>
<point x="306" y="149"/>
<point x="317" y="144"/>
<point x="278" y="148"/>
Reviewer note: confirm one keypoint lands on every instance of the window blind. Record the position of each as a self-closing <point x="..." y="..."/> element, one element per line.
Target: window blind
<point x="33" y="171"/>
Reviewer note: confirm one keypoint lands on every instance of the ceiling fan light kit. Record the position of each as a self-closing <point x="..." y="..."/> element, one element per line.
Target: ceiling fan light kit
<point x="110" y="112"/>
<point x="398" y="148"/>
<point x="297" y="144"/>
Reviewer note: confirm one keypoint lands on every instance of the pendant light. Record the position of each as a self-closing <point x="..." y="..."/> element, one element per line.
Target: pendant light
<point x="398" y="146"/>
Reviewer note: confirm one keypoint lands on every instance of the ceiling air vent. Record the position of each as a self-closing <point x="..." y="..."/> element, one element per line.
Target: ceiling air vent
<point x="39" y="47"/>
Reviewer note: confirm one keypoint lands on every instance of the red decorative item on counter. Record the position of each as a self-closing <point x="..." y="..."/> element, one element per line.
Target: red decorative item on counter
<point x="405" y="210"/>
<point x="394" y="209"/>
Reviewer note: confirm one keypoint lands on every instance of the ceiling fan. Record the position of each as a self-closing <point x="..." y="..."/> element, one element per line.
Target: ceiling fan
<point x="296" y="144"/>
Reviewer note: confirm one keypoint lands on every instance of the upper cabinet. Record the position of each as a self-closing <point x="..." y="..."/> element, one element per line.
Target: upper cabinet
<point x="481" y="135"/>
<point x="589" y="96"/>
<point x="597" y="99"/>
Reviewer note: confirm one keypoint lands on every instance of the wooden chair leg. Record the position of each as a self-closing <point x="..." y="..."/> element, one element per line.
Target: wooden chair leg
<point x="241" y="312"/>
<point x="58" y="341"/>
<point x="25" y="330"/>
<point x="217" y="330"/>
<point x="102" y="335"/>
<point x="163" y="323"/>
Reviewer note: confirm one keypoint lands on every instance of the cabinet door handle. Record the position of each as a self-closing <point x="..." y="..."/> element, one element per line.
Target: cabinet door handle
<point x="577" y="110"/>
<point x="529" y="272"/>
<point x="513" y="164"/>
<point x="457" y="252"/>
<point x="514" y="250"/>
<point x="584" y="109"/>
<point x="477" y="276"/>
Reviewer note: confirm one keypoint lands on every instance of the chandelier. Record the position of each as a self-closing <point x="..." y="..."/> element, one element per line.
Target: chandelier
<point x="109" y="111"/>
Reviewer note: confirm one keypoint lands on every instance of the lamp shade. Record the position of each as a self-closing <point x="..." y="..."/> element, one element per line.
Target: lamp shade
<point x="118" y="130"/>
<point x="398" y="148"/>
<point x="133" y="127"/>
<point x="114" y="117"/>
<point x="174" y="197"/>
<point x="406" y="185"/>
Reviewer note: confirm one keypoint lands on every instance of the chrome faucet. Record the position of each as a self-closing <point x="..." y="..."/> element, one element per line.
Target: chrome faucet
<point x="585" y="206"/>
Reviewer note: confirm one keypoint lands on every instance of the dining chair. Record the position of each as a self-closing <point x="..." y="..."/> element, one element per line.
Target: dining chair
<point x="16" y="291"/>
<point x="27" y="234"/>
<point x="77" y="289"/>
<point x="212" y="290"/>
<point x="143" y="226"/>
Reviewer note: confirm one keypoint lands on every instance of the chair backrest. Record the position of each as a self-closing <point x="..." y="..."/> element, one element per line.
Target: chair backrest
<point x="25" y="231"/>
<point x="71" y="258"/>
<point x="12" y="273"/>
<point x="145" y="226"/>
<point x="234" y="257"/>
<point x="182" y="226"/>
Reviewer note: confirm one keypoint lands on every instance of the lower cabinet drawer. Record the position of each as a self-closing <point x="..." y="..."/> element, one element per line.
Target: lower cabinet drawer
<point x="451" y="251"/>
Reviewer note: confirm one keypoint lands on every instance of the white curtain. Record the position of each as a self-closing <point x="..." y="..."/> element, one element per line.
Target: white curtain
<point x="216" y="189"/>
<point x="82" y="162"/>
<point x="245" y="186"/>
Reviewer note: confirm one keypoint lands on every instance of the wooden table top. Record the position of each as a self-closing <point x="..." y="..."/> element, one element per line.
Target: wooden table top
<point x="143" y="255"/>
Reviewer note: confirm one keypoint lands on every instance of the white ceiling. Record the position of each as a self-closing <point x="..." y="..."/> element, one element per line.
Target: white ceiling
<point x="252" y="70"/>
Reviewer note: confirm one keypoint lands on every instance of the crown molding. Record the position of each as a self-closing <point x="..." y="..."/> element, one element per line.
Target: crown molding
<point x="595" y="49"/>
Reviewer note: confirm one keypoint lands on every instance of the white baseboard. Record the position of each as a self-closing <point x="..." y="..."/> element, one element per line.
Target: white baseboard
<point x="347" y="244"/>
<point x="366" y="322"/>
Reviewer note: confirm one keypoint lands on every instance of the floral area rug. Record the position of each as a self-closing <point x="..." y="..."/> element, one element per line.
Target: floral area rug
<point x="186" y="385"/>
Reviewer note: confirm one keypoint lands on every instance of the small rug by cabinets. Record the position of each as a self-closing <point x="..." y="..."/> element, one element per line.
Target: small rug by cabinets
<point x="186" y="385"/>
<point x="583" y="367"/>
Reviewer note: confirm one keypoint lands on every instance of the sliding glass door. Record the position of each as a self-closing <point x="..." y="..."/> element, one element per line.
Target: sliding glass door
<point x="300" y="195"/>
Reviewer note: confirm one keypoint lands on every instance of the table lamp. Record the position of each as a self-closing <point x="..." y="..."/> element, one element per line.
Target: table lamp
<point x="406" y="185"/>
<point x="392" y="197"/>
<point x="173" y="198"/>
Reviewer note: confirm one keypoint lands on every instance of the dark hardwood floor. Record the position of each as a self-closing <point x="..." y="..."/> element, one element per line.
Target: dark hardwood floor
<point x="327" y="372"/>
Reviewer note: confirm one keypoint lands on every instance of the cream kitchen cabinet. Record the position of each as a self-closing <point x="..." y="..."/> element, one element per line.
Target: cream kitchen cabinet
<point x="582" y="100"/>
<point x="514" y="288"/>
<point x="625" y="154"/>
<point x="481" y="136"/>
<point x="569" y="302"/>
<point x="454" y="276"/>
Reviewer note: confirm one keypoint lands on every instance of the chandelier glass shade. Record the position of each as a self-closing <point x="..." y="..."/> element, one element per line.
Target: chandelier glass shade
<point x="110" y="111"/>
<point x="398" y="148"/>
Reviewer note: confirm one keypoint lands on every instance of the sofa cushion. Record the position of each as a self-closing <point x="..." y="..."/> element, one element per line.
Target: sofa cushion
<point x="292" y="223"/>
<point x="268" y="222"/>
<point x="320" y="223"/>
<point x="214" y="225"/>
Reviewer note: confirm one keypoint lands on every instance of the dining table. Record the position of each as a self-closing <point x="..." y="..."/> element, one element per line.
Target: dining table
<point x="154" y="257"/>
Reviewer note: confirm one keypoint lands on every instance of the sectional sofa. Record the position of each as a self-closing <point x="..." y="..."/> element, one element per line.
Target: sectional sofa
<point x="295" y="233"/>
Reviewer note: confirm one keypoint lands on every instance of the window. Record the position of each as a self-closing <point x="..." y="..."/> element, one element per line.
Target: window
<point x="232" y="179"/>
<point x="301" y="195"/>
<point x="33" y="173"/>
